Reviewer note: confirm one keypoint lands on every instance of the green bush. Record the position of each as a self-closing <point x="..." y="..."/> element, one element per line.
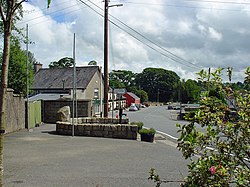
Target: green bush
<point x="147" y="131"/>
<point x="138" y="123"/>
<point x="223" y="144"/>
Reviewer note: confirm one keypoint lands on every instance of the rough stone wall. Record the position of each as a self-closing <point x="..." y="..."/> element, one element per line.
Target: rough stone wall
<point x="50" y="108"/>
<point x="99" y="130"/>
<point x="15" y="113"/>
<point x="101" y="121"/>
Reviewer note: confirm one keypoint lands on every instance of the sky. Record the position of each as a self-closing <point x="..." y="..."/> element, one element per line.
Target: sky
<point x="183" y="36"/>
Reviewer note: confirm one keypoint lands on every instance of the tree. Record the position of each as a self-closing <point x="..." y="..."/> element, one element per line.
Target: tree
<point x="92" y="63"/>
<point x="247" y="79"/>
<point x="223" y="146"/>
<point x="158" y="82"/>
<point x="125" y="77"/>
<point x="140" y="93"/>
<point x="64" y="62"/>
<point x="17" y="77"/>
<point x="10" y="11"/>
<point x="225" y="120"/>
<point x="190" y="91"/>
<point x="116" y="84"/>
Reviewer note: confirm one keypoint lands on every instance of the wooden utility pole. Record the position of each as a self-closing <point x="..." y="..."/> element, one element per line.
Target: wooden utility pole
<point x="106" y="86"/>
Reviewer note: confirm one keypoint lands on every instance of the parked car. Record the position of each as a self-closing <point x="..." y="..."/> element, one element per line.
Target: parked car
<point x="138" y="106"/>
<point x="133" y="108"/>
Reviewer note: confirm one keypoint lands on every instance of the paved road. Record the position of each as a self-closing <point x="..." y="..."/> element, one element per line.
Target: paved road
<point x="158" y="118"/>
<point x="41" y="158"/>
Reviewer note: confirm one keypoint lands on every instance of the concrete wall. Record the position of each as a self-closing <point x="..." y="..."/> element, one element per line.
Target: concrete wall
<point x="15" y="113"/>
<point x="50" y="108"/>
<point x="98" y="130"/>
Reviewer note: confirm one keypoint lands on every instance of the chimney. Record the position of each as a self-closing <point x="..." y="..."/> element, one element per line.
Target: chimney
<point x="37" y="66"/>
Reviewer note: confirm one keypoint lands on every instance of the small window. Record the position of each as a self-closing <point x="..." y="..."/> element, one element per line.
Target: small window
<point x="96" y="93"/>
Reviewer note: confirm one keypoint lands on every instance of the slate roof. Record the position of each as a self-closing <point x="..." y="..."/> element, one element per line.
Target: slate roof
<point x="46" y="97"/>
<point x="52" y="78"/>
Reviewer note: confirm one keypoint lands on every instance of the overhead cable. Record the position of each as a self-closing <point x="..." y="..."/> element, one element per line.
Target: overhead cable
<point x="170" y="55"/>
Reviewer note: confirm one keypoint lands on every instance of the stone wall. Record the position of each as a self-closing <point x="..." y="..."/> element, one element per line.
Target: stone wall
<point x="101" y="121"/>
<point x="123" y="131"/>
<point x="15" y="112"/>
<point x="50" y="108"/>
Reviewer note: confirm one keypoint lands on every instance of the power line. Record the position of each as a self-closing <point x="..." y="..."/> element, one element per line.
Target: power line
<point x="220" y="2"/>
<point x="35" y="18"/>
<point x="153" y="42"/>
<point x="52" y="13"/>
<point x="52" y="5"/>
<point x="173" y="57"/>
<point x="199" y="1"/>
<point x="185" y="6"/>
<point x="73" y="11"/>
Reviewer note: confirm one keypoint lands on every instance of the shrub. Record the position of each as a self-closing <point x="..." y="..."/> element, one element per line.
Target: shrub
<point x="138" y="123"/>
<point x="223" y="145"/>
<point x="150" y="131"/>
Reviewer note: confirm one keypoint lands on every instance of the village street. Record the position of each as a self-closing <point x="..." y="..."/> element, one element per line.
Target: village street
<point x="42" y="158"/>
<point x="159" y="118"/>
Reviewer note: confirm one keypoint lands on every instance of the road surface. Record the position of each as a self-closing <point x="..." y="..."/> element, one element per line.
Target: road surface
<point x="157" y="117"/>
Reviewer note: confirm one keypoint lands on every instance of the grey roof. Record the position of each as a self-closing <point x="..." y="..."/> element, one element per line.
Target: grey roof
<point x="133" y="95"/>
<point x="120" y="91"/>
<point x="46" y="97"/>
<point x="54" y="78"/>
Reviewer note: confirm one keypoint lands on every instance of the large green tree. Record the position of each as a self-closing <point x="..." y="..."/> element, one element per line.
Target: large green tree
<point x="17" y="78"/>
<point x="139" y="92"/>
<point x="121" y="78"/>
<point x="159" y="83"/>
<point x="190" y="91"/>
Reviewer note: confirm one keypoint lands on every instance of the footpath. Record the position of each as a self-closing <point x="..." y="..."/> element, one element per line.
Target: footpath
<point x="41" y="158"/>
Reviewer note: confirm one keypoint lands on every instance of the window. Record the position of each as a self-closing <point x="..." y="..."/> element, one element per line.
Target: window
<point x="96" y="93"/>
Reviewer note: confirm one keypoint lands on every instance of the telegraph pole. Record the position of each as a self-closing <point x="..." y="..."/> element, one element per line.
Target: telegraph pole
<point x="106" y="87"/>
<point x="106" y="84"/>
<point x="27" y="75"/>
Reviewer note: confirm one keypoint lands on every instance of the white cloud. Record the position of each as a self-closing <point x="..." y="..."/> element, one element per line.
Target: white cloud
<point x="210" y="35"/>
<point x="214" y="34"/>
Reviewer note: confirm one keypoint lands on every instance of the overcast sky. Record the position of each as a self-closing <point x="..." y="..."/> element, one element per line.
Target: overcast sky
<point x="179" y="35"/>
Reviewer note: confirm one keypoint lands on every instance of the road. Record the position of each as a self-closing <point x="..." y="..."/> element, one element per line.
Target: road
<point x="40" y="158"/>
<point x="158" y="118"/>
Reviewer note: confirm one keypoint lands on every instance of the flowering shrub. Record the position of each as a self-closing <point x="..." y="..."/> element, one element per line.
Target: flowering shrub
<point x="220" y="152"/>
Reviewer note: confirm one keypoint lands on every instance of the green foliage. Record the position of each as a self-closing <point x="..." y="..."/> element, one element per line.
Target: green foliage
<point x="247" y="79"/>
<point x="139" y="92"/>
<point x="224" y="144"/>
<point x="138" y="123"/>
<point x="64" y="62"/>
<point x="150" y="131"/>
<point x="155" y="177"/>
<point x="116" y="84"/>
<point x="17" y="17"/>
<point x="153" y="79"/>
<point x="92" y="63"/>
<point x="190" y="91"/>
<point x="17" y="76"/>
<point x="124" y="77"/>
